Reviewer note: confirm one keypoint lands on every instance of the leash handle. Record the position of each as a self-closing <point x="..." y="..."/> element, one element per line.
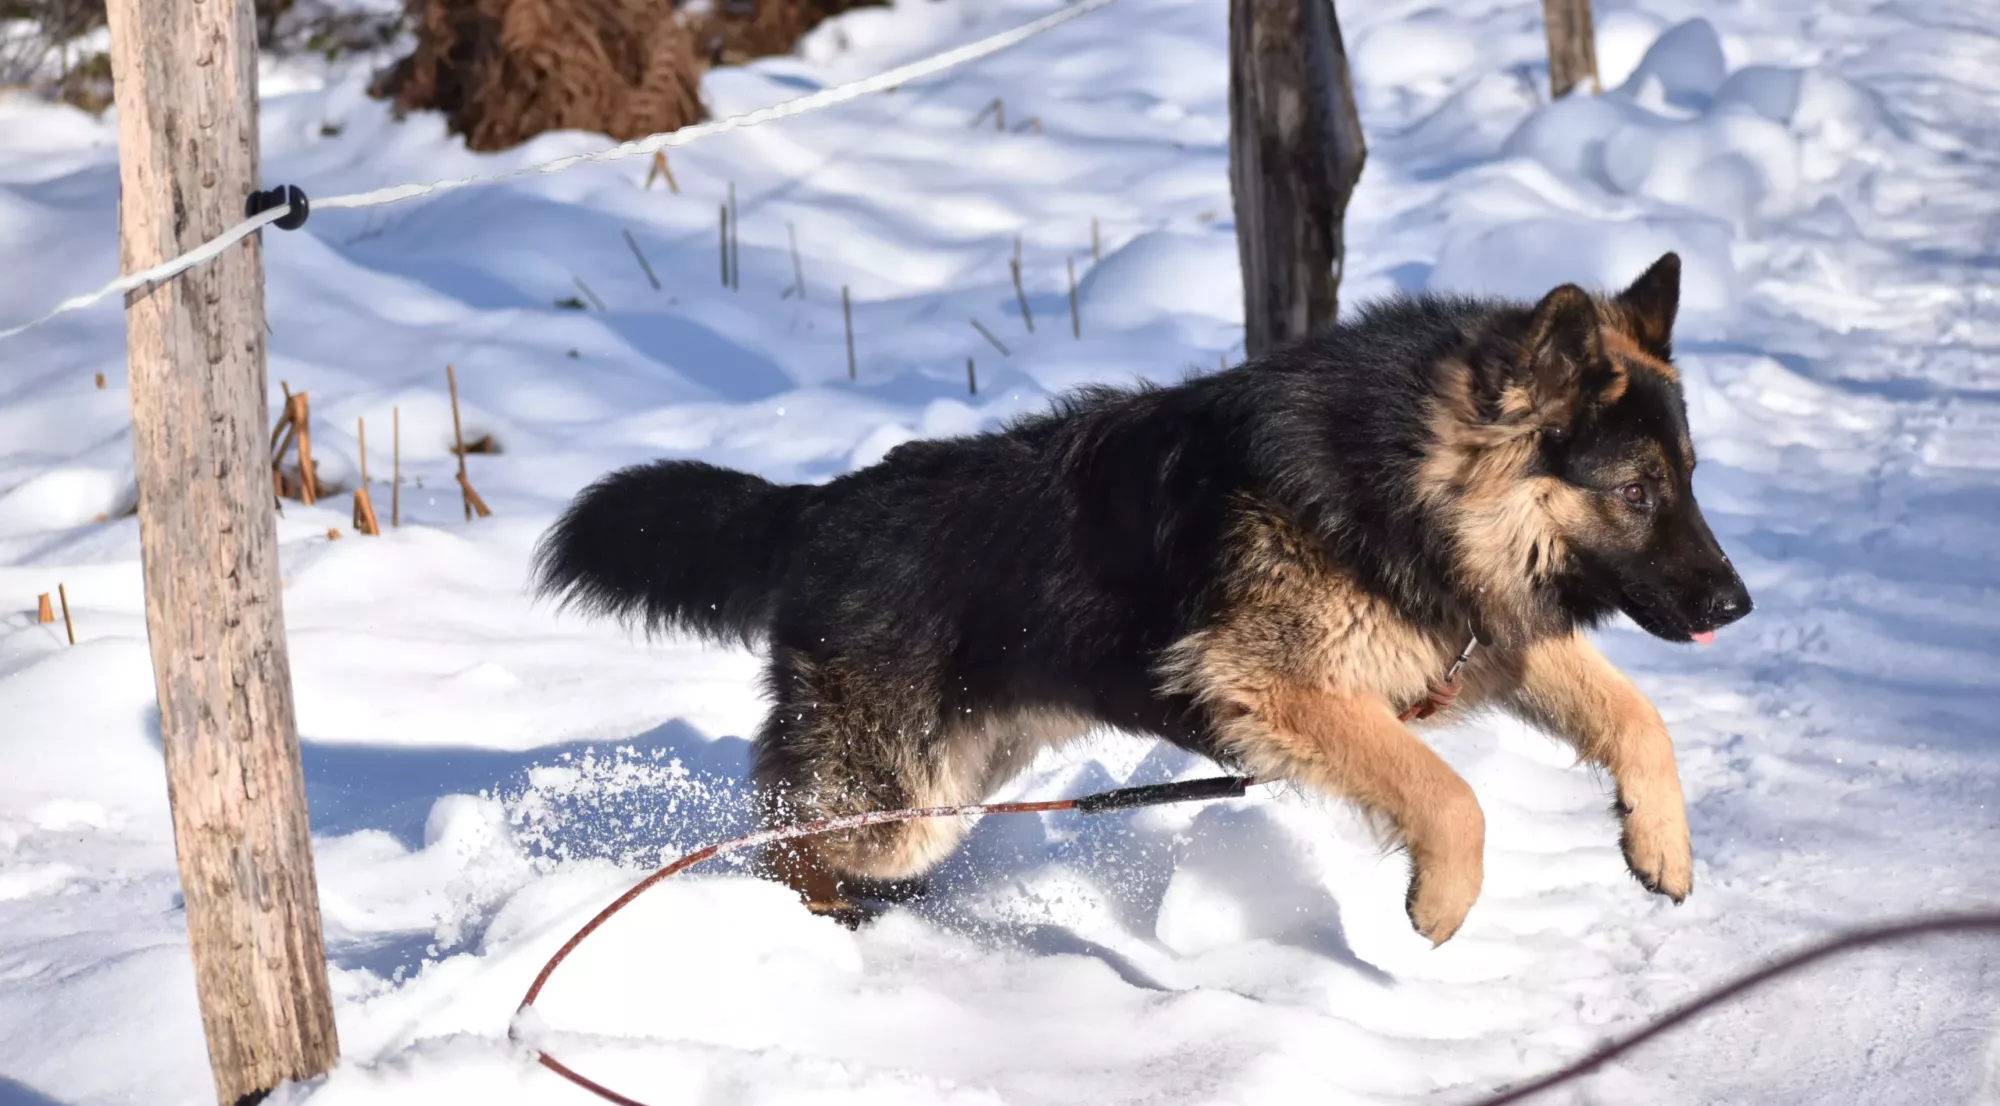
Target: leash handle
<point x="1159" y="794"/>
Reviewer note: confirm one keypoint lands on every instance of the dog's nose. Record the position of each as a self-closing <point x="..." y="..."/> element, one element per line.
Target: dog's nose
<point x="1728" y="603"/>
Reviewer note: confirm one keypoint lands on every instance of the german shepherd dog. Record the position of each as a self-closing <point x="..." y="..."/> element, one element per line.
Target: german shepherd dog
<point x="1266" y="565"/>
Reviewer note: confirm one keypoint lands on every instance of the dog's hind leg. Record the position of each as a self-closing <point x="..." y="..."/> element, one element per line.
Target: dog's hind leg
<point x="1352" y="746"/>
<point x="1570" y="690"/>
<point x="847" y="739"/>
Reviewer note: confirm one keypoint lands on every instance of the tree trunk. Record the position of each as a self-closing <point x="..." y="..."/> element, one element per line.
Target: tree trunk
<point x="1572" y="46"/>
<point x="1295" y="153"/>
<point x="186" y="83"/>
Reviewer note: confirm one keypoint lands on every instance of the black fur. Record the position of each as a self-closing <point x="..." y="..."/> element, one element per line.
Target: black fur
<point x="676" y="545"/>
<point x="1049" y="563"/>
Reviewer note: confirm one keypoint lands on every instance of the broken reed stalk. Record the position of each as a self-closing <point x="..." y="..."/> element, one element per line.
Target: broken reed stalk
<point x="472" y="500"/>
<point x="735" y="255"/>
<point x="44" y="613"/>
<point x="644" y="265"/>
<point x="364" y="507"/>
<point x="302" y="422"/>
<point x="847" y="315"/>
<point x="395" y="466"/>
<point x="660" y="169"/>
<point x="1022" y="295"/>
<point x="1096" y="255"/>
<point x="588" y="294"/>
<point x="971" y="378"/>
<point x="68" y="626"/>
<point x="1075" y="316"/>
<point x="281" y="443"/>
<point x="292" y="429"/>
<point x="981" y="328"/>
<point x="999" y="114"/>
<point x="798" y="267"/>
<point x="724" y="209"/>
<point x="989" y="109"/>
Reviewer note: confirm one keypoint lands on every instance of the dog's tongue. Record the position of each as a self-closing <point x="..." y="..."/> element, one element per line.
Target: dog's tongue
<point x="1706" y="637"/>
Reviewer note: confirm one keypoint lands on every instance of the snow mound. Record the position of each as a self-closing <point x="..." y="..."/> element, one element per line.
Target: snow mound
<point x="1683" y="67"/>
<point x="61" y="497"/>
<point x="1757" y="144"/>
<point x="1163" y="273"/>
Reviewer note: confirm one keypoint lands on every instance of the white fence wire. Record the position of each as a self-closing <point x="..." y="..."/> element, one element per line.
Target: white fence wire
<point x="638" y="147"/>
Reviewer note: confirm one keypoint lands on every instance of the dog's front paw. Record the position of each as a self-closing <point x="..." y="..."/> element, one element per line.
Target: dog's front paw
<point x="1438" y="906"/>
<point x="1658" y="851"/>
<point x="1447" y="866"/>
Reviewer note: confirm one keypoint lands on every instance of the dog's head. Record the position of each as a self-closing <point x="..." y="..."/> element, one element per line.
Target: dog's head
<point x="1575" y="465"/>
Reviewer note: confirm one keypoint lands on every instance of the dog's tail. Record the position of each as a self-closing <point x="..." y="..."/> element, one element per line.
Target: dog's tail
<point x="675" y="545"/>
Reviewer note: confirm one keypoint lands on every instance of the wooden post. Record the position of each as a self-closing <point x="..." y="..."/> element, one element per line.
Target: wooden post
<point x="1572" y="46"/>
<point x="1295" y="152"/>
<point x="44" y="613"/>
<point x="69" y="627"/>
<point x="185" y="81"/>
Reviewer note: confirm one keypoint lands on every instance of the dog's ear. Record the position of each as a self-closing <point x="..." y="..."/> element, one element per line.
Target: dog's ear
<point x="1562" y="348"/>
<point x="1649" y="306"/>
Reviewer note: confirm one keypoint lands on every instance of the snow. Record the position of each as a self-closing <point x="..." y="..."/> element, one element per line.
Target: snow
<point x="484" y="775"/>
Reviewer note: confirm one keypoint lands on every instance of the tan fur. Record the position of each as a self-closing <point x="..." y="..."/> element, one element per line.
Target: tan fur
<point x="1476" y="477"/>
<point x="1624" y="348"/>
<point x="1303" y="676"/>
<point x="1295" y="620"/>
<point x="979" y="756"/>
<point x="1304" y="671"/>
<point x="1352" y="746"/>
<point x="1627" y="355"/>
<point x="1570" y="690"/>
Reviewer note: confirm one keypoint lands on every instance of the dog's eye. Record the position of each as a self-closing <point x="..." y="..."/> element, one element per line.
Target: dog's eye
<point x="1634" y="493"/>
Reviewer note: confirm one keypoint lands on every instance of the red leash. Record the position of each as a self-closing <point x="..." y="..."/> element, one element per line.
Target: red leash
<point x="1221" y="787"/>
<point x="1124" y="798"/>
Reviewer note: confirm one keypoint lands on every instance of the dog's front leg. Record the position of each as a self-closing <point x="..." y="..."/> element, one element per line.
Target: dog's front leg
<point x="1352" y="746"/>
<point x="1570" y="690"/>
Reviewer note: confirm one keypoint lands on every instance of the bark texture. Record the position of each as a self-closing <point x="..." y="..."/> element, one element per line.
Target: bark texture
<point x="186" y="82"/>
<point x="1572" y="46"/>
<point x="1295" y="153"/>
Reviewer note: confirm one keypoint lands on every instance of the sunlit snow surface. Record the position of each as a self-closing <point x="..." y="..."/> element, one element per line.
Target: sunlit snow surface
<point x="485" y="774"/>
